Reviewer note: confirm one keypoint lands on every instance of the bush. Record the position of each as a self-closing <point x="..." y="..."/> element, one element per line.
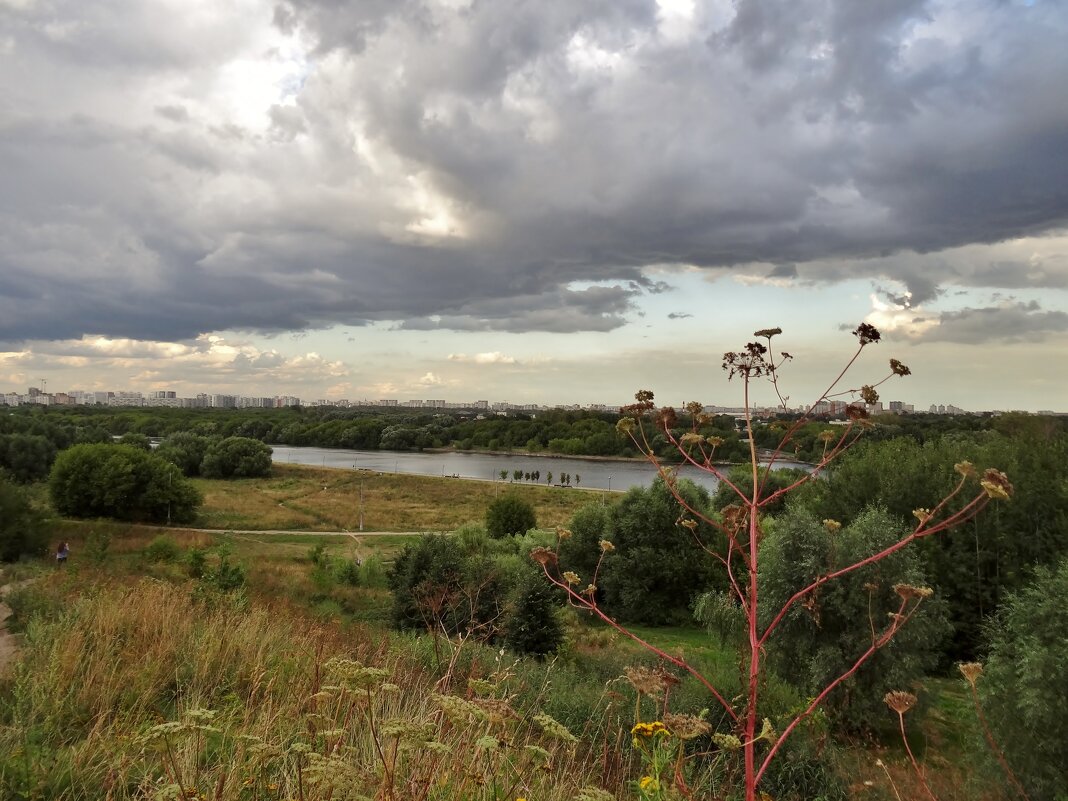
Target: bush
<point x="1024" y="689"/>
<point x="121" y="482"/>
<point x="373" y="573"/>
<point x="21" y="530"/>
<point x="162" y="549"/>
<point x="186" y="450"/>
<point x="509" y="515"/>
<point x="237" y="457"/>
<point x="436" y="586"/>
<point x="815" y="643"/>
<point x="135" y="440"/>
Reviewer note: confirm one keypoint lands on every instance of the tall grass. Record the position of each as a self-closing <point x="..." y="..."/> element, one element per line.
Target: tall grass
<point x="162" y="690"/>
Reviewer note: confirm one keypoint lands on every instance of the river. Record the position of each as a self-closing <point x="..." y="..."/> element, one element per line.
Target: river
<point x="591" y="474"/>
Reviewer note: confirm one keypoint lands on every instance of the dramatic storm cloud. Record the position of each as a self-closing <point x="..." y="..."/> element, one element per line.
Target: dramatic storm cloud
<point x="176" y="168"/>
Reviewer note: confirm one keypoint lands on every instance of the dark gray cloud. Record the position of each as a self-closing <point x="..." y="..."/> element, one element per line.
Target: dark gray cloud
<point x="678" y="315"/>
<point x="473" y="166"/>
<point x="1006" y="323"/>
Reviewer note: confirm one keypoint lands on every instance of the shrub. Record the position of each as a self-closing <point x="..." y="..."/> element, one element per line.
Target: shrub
<point x="509" y="515"/>
<point x="135" y="440"/>
<point x="373" y="573"/>
<point x="237" y="457"/>
<point x="162" y="549"/>
<point x="1024" y="689"/>
<point x="21" y="530"/>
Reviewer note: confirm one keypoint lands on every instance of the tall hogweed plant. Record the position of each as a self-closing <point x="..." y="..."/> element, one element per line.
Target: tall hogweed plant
<point x="741" y="528"/>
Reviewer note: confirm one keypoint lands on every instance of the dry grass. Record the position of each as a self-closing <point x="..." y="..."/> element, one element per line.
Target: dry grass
<point x="106" y="700"/>
<point x="317" y="499"/>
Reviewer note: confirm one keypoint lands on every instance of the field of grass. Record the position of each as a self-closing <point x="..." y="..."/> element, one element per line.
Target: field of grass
<point x="316" y="499"/>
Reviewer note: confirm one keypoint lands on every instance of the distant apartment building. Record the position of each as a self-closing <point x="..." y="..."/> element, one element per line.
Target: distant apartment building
<point x="125" y="399"/>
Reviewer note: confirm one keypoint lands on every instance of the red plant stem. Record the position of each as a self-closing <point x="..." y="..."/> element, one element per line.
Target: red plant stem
<point x="674" y="660"/>
<point x="920" y="532"/>
<point x="751" y="777"/>
<point x="864" y="657"/>
<point x="994" y="746"/>
<point x="915" y="764"/>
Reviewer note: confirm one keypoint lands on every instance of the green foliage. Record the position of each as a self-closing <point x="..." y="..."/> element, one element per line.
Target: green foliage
<point x="436" y="586"/>
<point x="510" y="515"/>
<point x="98" y="546"/>
<point x="742" y="478"/>
<point x="21" y="529"/>
<point x="656" y="570"/>
<point x="533" y="625"/>
<point x="226" y="576"/>
<point x="236" y="457"/>
<point x="974" y="566"/>
<point x="135" y="440"/>
<point x="373" y="573"/>
<point x="1024" y="687"/>
<point x="721" y="614"/>
<point x="196" y="561"/>
<point x="163" y="548"/>
<point x="26" y="457"/>
<point x="121" y="482"/>
<point x="815" y="643"/>
<point x="186" y="450"/>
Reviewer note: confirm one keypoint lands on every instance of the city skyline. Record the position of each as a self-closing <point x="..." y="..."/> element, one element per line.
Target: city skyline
<point x="560" y="202"/>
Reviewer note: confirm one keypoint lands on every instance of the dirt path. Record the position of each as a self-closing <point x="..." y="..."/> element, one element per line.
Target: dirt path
<point x="304" y="533"/>
<point x="8" y="641"/>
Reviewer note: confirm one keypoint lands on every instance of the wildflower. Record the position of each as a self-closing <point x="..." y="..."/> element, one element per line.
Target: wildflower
<point x="714" y="441"/>
<point x="767" y="333"/>
<point x="649" y="784"/>
<point x="691" y="438"/>
<point x="591" y="590"/>
<point x="607" y="546"/>
<point x="667" y="418"/>
<point x="831" y="525"/>
<point x="867" y="333"/>
<point x="827" y="437"/>
<point x="649" y="729"/>
<point x="971" y="671"/>
<point x="690" y="524"/>
<point x="727" y="742"/>
<point x="900" y="701"/>
<point x="563" y="533"/>
<point x="922" y="514"/>
<point x="897" y="368"/>
<point x="869" y="395"/>
<point x="996" y="484"/>
<point x="910" y="593"/>
<point x="571" y="577"/>
<point x="554" y="728"/>
<point x="625" y="425"/>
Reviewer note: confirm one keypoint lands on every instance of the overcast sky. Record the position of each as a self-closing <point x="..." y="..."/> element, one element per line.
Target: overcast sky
<point x="532" y="200"/>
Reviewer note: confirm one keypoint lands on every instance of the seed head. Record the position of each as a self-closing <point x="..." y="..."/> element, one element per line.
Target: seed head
<point x="607" y="546"/>
<point x="869" y="395"/>
<point x="867" y="333"/>
<point x="900" y="701"/>
<point x="922" y="514"/>
<point x="855" y="412"/>
<point x="544" y="557"/>
<point x="966" y="469"/>
<point x="971" y="671"/>
<point x="571" y="577"/>
<point x="563" y="533"/>
<point x="644" y="680"/>
<point x="767" y="333"/>
<point x="996" y="484"/>
<point x="897" y="368"/>
<point x="831" y="525"/>
<point x="911" y="593"/>
<point x="686" y="727"/>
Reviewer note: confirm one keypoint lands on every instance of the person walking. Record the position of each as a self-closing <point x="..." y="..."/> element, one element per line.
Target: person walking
<point x="62" y="552"/>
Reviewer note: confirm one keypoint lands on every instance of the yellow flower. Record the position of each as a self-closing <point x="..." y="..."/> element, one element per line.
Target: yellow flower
<point x="571" y="577"/>
<point x="649" y="783"/>
<point x="649" y="729"/>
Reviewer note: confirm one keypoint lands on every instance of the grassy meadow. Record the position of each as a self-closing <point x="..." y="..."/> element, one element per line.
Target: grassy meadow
<point x="248" y="665"/>
<point x="297" y="497"/>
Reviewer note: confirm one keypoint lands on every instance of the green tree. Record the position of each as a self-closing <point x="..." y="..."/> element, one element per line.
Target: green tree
<point x="509" y="515"/>
<point x="135" y="440"/>
<point x="26" y="457"/>
<point x="653" y="577"/>
<point x="533" y="624"/>
<point x="21" y="529"/>
<point x="1024" y="689"/>
<point x="816" y="639"/>
<point x="237" y="457"/>
<point x="186" y="450"/>
<point x="121" y="482"/>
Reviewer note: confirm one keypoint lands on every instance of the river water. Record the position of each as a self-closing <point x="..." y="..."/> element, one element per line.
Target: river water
<point x="591" y="474"/>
